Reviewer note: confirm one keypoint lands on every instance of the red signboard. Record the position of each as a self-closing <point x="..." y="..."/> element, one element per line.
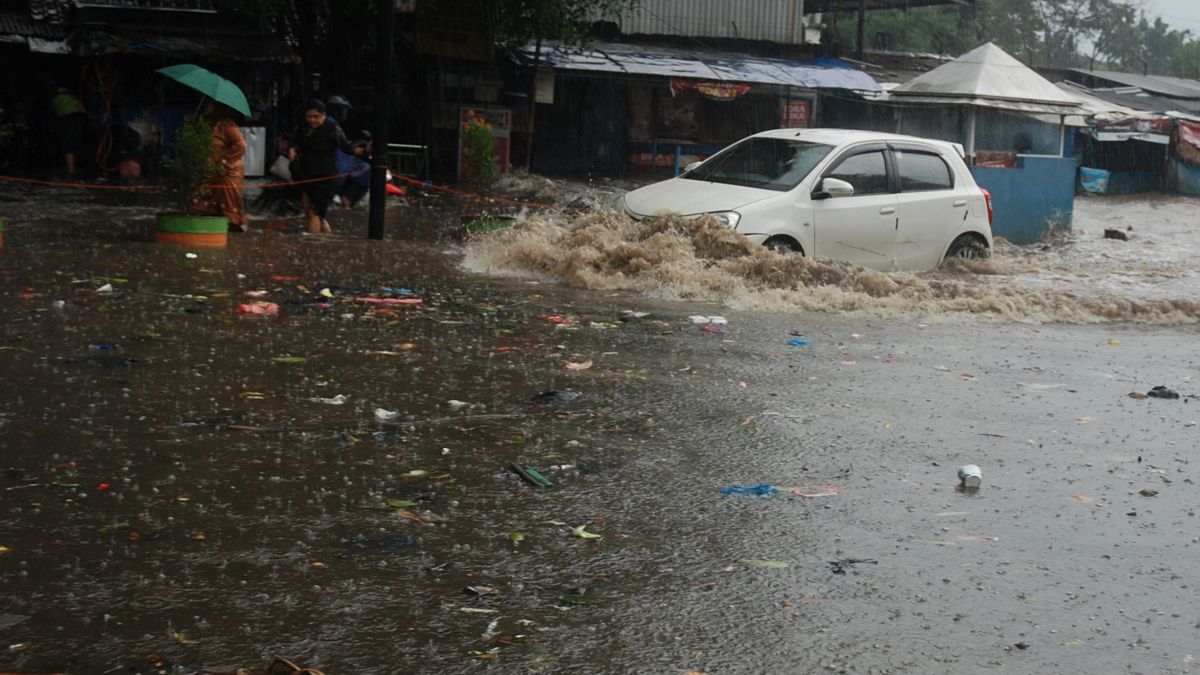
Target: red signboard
<point x="1140" y="125"/>
<point x="717" y="91"/>
<point x="794" y="113"/>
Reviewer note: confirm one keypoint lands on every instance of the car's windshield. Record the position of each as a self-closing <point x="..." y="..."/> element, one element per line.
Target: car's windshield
<point x="769" y="163"/>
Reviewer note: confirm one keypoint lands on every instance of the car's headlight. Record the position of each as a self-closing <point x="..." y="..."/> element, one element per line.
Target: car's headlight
<point x="728" y="218"/>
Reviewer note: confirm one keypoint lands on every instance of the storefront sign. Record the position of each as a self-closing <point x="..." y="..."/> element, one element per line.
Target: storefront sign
<point x="795" y="113"/>
<point x="717" y="91"/>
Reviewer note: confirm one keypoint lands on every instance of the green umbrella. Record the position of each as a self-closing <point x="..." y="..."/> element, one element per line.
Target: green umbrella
<point x="210" y="84"/>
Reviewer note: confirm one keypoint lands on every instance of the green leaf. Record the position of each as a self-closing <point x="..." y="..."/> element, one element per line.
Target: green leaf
<point x="516" y="537"/>
<point x="290" y="359"/>
<point x="584" y="534"/>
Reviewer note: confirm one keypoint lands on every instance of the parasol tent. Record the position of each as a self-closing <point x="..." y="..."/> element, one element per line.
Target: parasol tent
<point x="210" y="84"/>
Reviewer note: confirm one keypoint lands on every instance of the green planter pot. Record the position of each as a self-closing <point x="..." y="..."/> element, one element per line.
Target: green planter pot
<point x="182" y="228"/>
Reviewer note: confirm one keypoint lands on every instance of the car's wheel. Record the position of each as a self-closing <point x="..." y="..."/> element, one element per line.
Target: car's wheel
<point x="969" y="246"/>
<point x="783" y="245"/>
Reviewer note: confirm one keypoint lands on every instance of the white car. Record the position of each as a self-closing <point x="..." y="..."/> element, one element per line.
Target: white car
<point x="883" y="201"/>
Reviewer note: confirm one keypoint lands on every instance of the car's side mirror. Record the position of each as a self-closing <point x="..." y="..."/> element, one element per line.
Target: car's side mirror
<point x="691" y="166"/>
<point x="834" y="187"/>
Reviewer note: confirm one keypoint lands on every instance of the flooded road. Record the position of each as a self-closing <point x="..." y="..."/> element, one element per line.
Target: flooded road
<point x="189" y="489"/>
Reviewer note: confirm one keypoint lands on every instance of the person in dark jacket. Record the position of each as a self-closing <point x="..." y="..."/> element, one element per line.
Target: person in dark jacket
<point x="314" y="155"/>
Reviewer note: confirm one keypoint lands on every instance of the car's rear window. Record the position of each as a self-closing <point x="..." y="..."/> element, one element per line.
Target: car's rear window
<point x="923" y="171"/>
<point x="768" y="163"/>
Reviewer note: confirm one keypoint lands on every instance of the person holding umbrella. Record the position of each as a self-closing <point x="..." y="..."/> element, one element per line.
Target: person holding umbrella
<point x="223" y="98"/>
<point x="229" y="146"/>
<point x="313" y="156"/>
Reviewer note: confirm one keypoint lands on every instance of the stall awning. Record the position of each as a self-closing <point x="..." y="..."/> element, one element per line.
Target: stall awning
<point x="997" y="104"/>
<point x="699" y="64"/>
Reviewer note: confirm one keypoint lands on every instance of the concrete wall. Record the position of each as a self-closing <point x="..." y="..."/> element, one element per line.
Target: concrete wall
<point x="1029" y="200"/>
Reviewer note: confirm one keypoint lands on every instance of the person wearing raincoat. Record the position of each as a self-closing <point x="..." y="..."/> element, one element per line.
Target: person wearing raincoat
<point x="315" y="156"/>
<point x="229" y="146"/>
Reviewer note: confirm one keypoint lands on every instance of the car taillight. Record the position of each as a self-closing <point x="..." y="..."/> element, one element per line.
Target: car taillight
<point x="987" y="199"/>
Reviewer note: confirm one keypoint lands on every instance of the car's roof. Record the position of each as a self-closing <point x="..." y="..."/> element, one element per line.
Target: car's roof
<point x="843" y="136"/>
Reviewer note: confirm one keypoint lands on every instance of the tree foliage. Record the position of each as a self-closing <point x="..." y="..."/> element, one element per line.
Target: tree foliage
<point x="1112" y="34"/>
<point x="567" y="21"/>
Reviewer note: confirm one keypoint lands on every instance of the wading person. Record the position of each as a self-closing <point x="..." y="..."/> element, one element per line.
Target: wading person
<point x="228" y="149"/>
<point x="315" y="156"/>
<point x="70" y="121"/>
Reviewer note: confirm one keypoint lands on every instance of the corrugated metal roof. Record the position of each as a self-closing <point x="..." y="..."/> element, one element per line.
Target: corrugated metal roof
<point x="1174" y="87"/>
<point x="701" y="64"/>
<point x="20" y="23"/>
<point x="1147" y="102"/>
<point x="769" y="20"/>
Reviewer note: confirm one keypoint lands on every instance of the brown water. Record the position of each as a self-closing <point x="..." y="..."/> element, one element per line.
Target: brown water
<point x="1077" y="278"/>
<point x="177" y="492"/>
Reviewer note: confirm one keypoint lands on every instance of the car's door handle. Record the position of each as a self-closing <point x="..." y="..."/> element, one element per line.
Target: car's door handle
<point x="959" y="202"/>
<point x="887" y="210"/>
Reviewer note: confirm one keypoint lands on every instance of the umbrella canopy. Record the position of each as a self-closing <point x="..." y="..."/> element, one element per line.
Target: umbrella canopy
<point x="210" y="84"/>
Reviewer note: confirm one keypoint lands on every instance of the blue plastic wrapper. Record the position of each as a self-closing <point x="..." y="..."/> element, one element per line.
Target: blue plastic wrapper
<point x="798" y="342"/>
<point x="760" y="490"/>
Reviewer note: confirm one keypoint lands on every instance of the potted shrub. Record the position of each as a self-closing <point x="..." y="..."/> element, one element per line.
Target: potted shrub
<point x="189" y="171"/>
<point x="480" y="168"/>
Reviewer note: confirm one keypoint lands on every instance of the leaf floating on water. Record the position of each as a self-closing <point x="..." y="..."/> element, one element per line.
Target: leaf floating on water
<point x="584" y="534"/>
<point x="578" y="366"/>
<point x="290" y="360"/>
<point x="769" y="564"/>
<point x="478" y="610"/>
<point x="572" y="599"/>
<point x="516" y="537"/>
<point x="5" y="549"/>
<point x="183" y="639"/>
<point x="415" y="473"/>
<point x="253" y="395"/>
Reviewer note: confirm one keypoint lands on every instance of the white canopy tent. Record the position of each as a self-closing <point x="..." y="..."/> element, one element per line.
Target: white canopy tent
<point x="988" y="77"/>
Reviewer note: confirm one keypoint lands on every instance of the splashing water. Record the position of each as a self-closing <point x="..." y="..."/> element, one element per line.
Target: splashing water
<point x="699" y="259"/>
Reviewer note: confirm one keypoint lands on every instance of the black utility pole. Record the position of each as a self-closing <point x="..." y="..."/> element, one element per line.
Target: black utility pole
<point x="862" y="20"/>
<point x="383" y="109"/>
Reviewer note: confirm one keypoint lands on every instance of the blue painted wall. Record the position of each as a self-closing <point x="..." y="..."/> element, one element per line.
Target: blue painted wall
<point x="1030" y="199"/>
<point x="1185" y="178"/>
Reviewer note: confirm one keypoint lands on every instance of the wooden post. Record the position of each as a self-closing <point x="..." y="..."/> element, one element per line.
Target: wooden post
<point x="379" y="140"/>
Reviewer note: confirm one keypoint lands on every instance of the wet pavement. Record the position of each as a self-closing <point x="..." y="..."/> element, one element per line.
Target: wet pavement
<point x="189" y="489"/>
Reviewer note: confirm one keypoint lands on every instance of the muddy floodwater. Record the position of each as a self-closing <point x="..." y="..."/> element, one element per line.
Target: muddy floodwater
<point x="751" y="458"/>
